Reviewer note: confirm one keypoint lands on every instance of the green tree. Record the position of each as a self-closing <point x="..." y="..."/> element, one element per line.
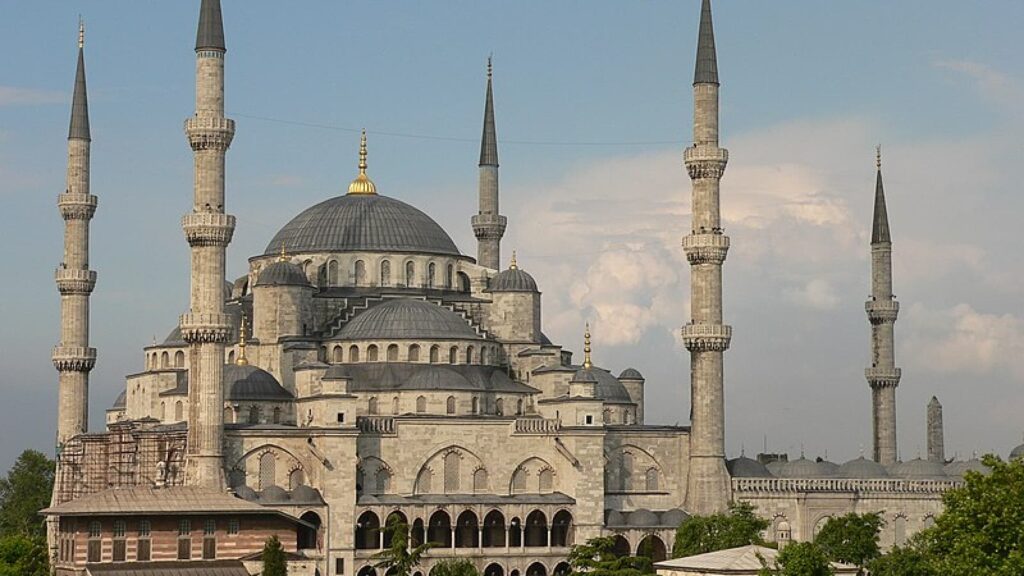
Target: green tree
<point x="902" y="561"/>
<point x="26" y="490"/>
<point x="799" y="559"/>
<point x="22" y="555"/>
<point x="399" y="559"/>
<point x="459" y="567"/>
<point x="274" y="563"/>
<point x="740" y="526"/>
<point x="851" y="539"/>
<point x="597" y="558"/>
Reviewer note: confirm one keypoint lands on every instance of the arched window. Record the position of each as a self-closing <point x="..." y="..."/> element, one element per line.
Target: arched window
<point x="421" y="404"/>
<point x="231" y="357"/>
<point x="450" y="405"/>
<point x="394" y="405"/>
<point x="410" y="273"/>
<point x="484" y="355"/>
<point x="519" y="407"/>
<point x="651" y="480"/>
<point x="467" y="530"/>
<point x="332" y="273"/>
<point x="536" y="529"/>
<point x="561" y="529"/>
<point x="519" y="481"/>
<point x="440" y="529"/>
<point x="296" y="478"/>
<point x="453" y="355"/>
<point x="435" y="354"/>
<point x="383" y="485"/>
<point x="165" y="360"/>
<point x="229" y="415"/>
<point x="499" y="407"/>
<point x="393" y="353"/>
<point x="452" y="460"/>
<point x="783" y="532"/>
<point x="371" y="353"/>
<point x="469" y="355"/>
<point x="179" y="359"/>
<point x="337" y="359"/>
<point x="475" y="409"/>
<point x="179" y="410"/>
<point x="480" y="480"/>
<point x="900" y="531"/>
<point x="359" y="272"/>
<point x="449" y="277"/>
<point x="545" y="480"/>
<point x="424" y="482"/>
<point x="431" y="275"/>
<point x="463" y="282"/>
<point x="372" y="409"/>
<point x="653" y="548"/>
<point x="254" y="414"/>
<point x="385" y="273"/>
<point x="414" y="353"/>
<point x="368" y="532"/>
<point x="163" y="411"/>
<point x="627" y="471"/>
<point x="394" y="518"/>
<point x="494" y="530"/>
<point x="268" y="470"/>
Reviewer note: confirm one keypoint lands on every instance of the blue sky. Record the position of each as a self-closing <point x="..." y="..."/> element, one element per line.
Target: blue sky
<point x="593" y="108"/>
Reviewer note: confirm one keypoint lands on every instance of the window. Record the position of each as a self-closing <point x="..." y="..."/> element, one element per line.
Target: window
<point x="469" y="355"/>
<point x="651" y="480"/>
<point x="209" y="527"/>
<point x="499" y="407"/>
<point x="372" y="409"/>
<point x="179" y="410"/>
<point x="451" y="472"/>
<point x="119" y="544"/>
<point x="480" y="480"/>
<point x="277" y="415"/>
<point x="337" y="355"/>
<point x="229" y="415"/>
<point x="254" y="415"/>
<point x="519" y="481"/>
<point x="95" y="548"/>
<point x="394" y="405"/>
<point x="450" y="405"/>
<point x="410" y="273"/>
<point x="332" y="273"/>
<point x="360" y="273"/>
<point x="435" y="354"/>
<point x="393" y="353"/>
<point x="385" y="273"/>
<point x="545" y="480"/>
<point x="185" y="540"/>
<point x="449" y="277"/>
<point x="371" y="353"/>
<point x="353" y="353"/>
<point x="339" y="565"/>
<point x="142" y="549"/>
<point x="431" y="275"/>
<point x="233" y="527"/>
<point x="590" y="419"/>
<point x="210" y="539"/>
<point x="296" y="478"/>
<point x="144" y="528"/>
<point x="383" y="481"/>
<point x="184" y="527"/>
<point x="476" y="405"/>
<point x="414" y="353"/>
<point x="268" y="470"/>
<point x="341" y="417"/>
<point x="519" y="407"/>
<point x="421" y="404"/>
<point x="179" y="359"/>
<point x="626" y="473"/>
<point x="453" y="355"/>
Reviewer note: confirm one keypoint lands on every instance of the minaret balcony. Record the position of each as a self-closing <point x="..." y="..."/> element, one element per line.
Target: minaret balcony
<point x="208" y="228"/>
<point x="209" y="132"/>
<point x="706" y="248"/>
<point x="489" y="226"/>
<point x="198" y="328"/>
<point x="880" y="377"/>
<point x="882" y="310"/>
<point x="707" y="337"/>
<point x="705" y="161"/>
<point x="71" y="281"/>
<point x="77" y="206"/>
<point x="74" y="358"/>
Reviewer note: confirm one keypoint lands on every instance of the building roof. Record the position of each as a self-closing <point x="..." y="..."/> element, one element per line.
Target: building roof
<point x="282" y="273"/>
<point x="512" y="280"/>
<point x="407" y="319"/>
<point x="170" y="568"/>
<point x="804" y="468"/>
<point x="608" y="386"/>
<point x="880" y="221"/>
<point x="631" y="374"/>
<point x="247" y="382"/>
<point x="919" y="469"/>
<point x="862" y="468"/>
<point x="173" y="500"/>
<point x="958" y="468"/>
<point x="744" y="467"/>
<point x="210" y="32"/>
<point x="79" y="127"/>
<point x="489" y="141"/>
<point x="1017" y="452"/>
<point x="363" y="223"/>
<point x="393" y="376"/>
<point x="121" y="401"/>
<point x="742" y="560"/>
<point x="706" y="71"/>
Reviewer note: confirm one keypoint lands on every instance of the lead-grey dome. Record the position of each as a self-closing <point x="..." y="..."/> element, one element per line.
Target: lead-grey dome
<point x="804" y="468"/>
<point x="958" y="468"/>
<point x="512" y="280"/>
<point x="407" y="319"/>
<point x="363" y="223"/>
<point x="1017" y="452"/>
<point x="862" y="468"/>
<point x="282" y="274"/>
<point x="919" y="469"/>
<point x="631" y="374"/>
<point x="744" y="467"/>
<point x="247" y="382"/>
<point x="121" y="401"/>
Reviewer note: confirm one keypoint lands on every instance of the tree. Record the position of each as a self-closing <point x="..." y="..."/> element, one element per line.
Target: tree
<point x="25" y="491"/>
<point x="851" y="539"/>
<point x="799" y="559"/>
<point x="273" y="558"/>
<point x="399" y="559"/>
<point x="741" y="526"/>
<point x="902" y="561"/>
<point x="597" y="558"/>
<point x="460" y="567"/>
<point x="22" y="555"/>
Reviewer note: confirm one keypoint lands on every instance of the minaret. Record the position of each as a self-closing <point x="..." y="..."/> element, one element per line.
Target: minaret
<point x="489" y="225"/>
<point x="705" y="336"/>
<point x="936" y="443"/>
<point x="73" y="357"/>
<point x="208" y="230"/>
<point x="883" y="376"/>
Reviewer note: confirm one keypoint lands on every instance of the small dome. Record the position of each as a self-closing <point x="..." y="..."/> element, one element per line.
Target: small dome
<point x="614" y="518"/>
<point x="512" y="280"/>
<point x="274" y="495"/>
<point x="775" y="467"/>
<point x="174" y="338"/>
<point x="584" y="375"/>
<point x="631" y="374"/>
<point x="121" y="401"/>
<point x="829" y="468"/>
<point x="306" y="495"/>
<point x="804" y="468"/>
<point x="246" y="493"/>
<point x="247" y="382"/>
<point x="282" y="273"/>
<point x="642" y="517"/>
<point x="407" y="319"/>
<point x="1017" y="452"/>
<point x="673" y="517"/>
<point x="862" y="468"/>
<point x="918" y="469"/>
<point x="744" y="467"/>
<point x="958" y="468"/>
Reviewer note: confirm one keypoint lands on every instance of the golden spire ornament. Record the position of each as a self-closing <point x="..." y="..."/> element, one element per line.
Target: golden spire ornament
<point x="512" y="265"/>
<point x="242" y="360"/>
<point x="81" y="32"/>
<point x="586" y="348"/>
<point x="362" y="184"/>
<point x="878" y="157"/>
<point x="284" y="255"/>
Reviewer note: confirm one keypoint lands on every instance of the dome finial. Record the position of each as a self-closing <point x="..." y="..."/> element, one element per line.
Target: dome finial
<point x="362" y="184"/>
<point x="490" y="68"/>
<point x="878" y="157"/>
<point x="586" y="348"/>
<point x="242" y="360"/>
<point x="81" y="32"/>
<point x="512" y="265"/>
<point x="284" y="256"/>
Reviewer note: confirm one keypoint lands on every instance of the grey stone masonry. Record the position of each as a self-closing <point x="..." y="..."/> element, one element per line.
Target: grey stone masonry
<point x="936" y="442"/>
<point x="488" y="224"/>
<point x="208" y="229"/>
<point x="705" y="336"/>
<point x="73" y="357"/>
<point x="882" y="308"/>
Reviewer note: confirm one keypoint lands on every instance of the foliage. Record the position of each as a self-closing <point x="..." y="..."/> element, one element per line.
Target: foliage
<point x="459" y="567"/>
<point x="274" y="563"/>
<point x="25" y="490"/>
<point x="22" y="555"/>
<point x="741" y="526"/>
<point x="902" y="561"/>
<point x="799" y="559"/>
<point x="399" y="559"/>
<point x="597" y="558"/>
<point x="851" y="539"/>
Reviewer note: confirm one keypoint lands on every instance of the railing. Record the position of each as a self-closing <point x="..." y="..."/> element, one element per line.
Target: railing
<point x="192" y="320"/>
<point x="536" y="425"/>
<point x="877" y="373"/>
<point x="376" y="424"/>
<point x="210" y="123"/>
<point x="896" y="485"/>
<point x="704" y="153"/>
<point x="73" y="352"/>
<point x="210" y="219"/>
<point x="882" y="305"/>
<point x="697" y="241"/>
<point x="74" y="275"/>
<point x="707" y="330"/>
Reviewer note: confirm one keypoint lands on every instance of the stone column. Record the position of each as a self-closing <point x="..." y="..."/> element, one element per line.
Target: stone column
<point x="936" y="442"/>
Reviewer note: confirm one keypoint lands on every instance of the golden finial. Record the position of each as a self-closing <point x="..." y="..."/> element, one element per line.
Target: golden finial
<point x="586" y="348"/>
<point x="284" y="256"/>
<point x="242" y="360"/>
<point x="490" y="68"/>
<point x="878" y="157"/>
<point x="512" y="265"/>
<point x="362" y="184"/>
<point x="81" y="32"/>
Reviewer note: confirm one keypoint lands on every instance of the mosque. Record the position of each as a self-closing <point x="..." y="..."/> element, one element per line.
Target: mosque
<point x="365" y="369"/>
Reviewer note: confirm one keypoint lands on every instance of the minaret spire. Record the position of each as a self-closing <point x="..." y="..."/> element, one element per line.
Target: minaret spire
<point x="73" y="357"/>
<point x="208" y="229"/>
<point x="488" y="224"/>
<point x="882" y="308"/>
<point x="706" y="336"/>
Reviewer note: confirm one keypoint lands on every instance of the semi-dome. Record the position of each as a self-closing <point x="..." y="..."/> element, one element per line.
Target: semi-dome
<point x="919" y="469"/>
<point x="247" y="382"/>
<point x="304" y="494"/>
<point x="673" y="517"/>
<point x="407" y="319"/>
<point x="512" y="280"/>
<point x="246" y="493"/>
<point x="282" y="273"/>
<point x="1017" y="452"/>
<point x="804" y="468"/>
<point x="363" y="223"/>
<point x="641" y="518"/>
<point x="862" y="468"/>
<point x="631" y="374"/>
<point x="274" y="495"/>
<point x="744" y="467"/>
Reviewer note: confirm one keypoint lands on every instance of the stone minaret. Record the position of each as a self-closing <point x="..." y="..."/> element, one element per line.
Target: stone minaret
<point x="883" y="376"/>
<point x="489" y="225"/>
<point x="706" y="337"/>
<point x="208" y="230"/>
<point x="936" y="443"/>
<point x="73" y="357"/>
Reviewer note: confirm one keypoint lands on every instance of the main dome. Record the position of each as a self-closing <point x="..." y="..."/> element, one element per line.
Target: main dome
<point x="362" y="223"/>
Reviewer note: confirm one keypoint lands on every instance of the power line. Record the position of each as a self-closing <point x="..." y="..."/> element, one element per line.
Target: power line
<point x="456" y="139"/>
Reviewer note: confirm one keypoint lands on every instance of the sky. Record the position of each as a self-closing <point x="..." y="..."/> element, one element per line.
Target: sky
<point x="594" y="108"/>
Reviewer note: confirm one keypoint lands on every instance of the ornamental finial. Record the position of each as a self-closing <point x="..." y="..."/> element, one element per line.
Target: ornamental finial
<point x="878" y="157"/>
<point x="586" y="348"/>
<point x="284" y="255"/>
<point x="490" y="68"/>
<point x="512" y="265"/>
<point x="81" y="32"/>
<point x="242" y="360"/>
<point x="362" y="184"/>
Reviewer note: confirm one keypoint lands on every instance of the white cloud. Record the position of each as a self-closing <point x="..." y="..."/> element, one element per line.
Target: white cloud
<point x="817" y="293"/>
<point x="963" y="341"/>
<point x="16" y="96"/>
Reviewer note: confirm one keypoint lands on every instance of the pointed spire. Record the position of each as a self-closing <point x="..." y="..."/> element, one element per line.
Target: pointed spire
<point x="210" y="34"/>
<point x="362" y="184"/>
<point x="880" y="222"/>
<point x="489" y="142"/>
<point x="587" y="365"/>
<point x="934" y="402"/>
<point x="79" y="127"/>
<point x="706" y="71"/>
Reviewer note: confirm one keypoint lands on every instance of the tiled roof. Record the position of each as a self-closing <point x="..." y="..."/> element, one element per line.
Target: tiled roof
<point x="176" y="568"/>
<point x="742" y="560"/>
<point x="176" y="500"/>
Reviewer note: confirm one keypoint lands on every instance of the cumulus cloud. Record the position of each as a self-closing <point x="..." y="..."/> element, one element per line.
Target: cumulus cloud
<point x="963" y="341"/>
<point x="818" y="293"/>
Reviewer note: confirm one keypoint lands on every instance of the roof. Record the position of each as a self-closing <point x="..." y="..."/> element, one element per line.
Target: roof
<point x="880" y="221"/>
<point x="918" y="469"/>
<point x="121" y="401"/>
<point x="742" y="560"/>
<point x="282" y="273"/>
<point x="79" y="127"/>
<point x="958" y="468"/>
<point x="862" y="468"/>
<point x="489" y="140"/>
<point x="363" y="223"/>
<point x="804" y="468"/>
<point x="175" y="500"/>
<point x="512" y="280"/>
<point x="744" y="467"/>
<point x="247" y="382"/>
<point x="645" y="518"/>
<point x="1017" y="452"/>
<point x="631" y="374"/>
<point x="210" y="32"/>
<point x="390" y="376"/>
<point x="706" y="71"/>
<point x="172" y="568"/>
<point x="407" y="319"/>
